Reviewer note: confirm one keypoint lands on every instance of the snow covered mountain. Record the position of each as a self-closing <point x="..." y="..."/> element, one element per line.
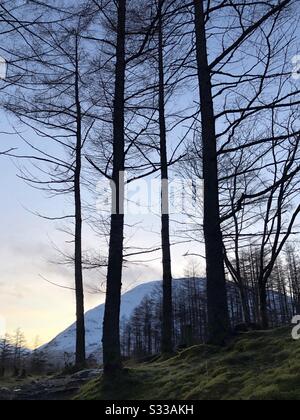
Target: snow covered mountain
<point x="62" y="348"/>
<point x="60" y="351"/>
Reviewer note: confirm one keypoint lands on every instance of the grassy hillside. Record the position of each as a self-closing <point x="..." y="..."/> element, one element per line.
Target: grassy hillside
<point x="255" y="366"/>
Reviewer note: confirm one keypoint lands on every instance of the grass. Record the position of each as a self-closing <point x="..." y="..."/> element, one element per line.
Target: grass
<point x="255" y="366"/>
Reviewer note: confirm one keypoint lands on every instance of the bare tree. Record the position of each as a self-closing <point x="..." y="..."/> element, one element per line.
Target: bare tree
<point x="219" y="326"/>
<point x="55" y="105"/>
<point x="111" y="325"/>
<point x="167" y="330"/>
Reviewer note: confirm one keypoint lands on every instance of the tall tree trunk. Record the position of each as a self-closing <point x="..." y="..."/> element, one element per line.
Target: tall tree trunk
<point x="80" y="321"/>
<point x="167" y="323"/>
<point x="218" y="318"/>
<point x="111" y="325"/>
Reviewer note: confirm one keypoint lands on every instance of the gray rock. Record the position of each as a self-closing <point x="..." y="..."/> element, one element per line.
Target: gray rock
<point x="87" y="374"/>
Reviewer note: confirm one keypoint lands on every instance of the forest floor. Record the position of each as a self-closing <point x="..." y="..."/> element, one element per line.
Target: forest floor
<point x="254" y="366"/>
<point x="56" y="387"/>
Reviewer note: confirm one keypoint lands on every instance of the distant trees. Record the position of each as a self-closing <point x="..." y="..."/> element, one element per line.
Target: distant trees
<point x="19" y="352"/>
<point x="293" y="267"/>
<point x="5" y="354"/>
<point x="141" y="333"/>
<point x="38" y="360"/>
<point x="14" y="356"/>
<point x="17" y="360"/>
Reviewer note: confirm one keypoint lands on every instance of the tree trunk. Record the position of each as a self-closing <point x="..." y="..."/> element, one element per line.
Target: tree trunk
<point x="167" y="322"/>
<point x="80" y="322"/>
<point x="218" y="318"/>
<point x="80" y="358"/>
<point x="263" y="302"/>
<point x="111" y="325"/>
<point x="245" y="305"/>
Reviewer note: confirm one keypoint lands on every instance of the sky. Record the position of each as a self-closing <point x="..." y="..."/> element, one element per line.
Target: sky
<point x="28" y="256"/>
<point x="26" y="301"/>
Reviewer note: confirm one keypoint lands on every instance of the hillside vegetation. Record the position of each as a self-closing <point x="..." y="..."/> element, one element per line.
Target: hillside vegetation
<point x="255" y="366"/>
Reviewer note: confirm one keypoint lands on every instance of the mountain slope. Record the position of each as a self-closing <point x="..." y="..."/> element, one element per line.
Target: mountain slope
<point x="62" y="347"/>
<point x="256" y="366"/>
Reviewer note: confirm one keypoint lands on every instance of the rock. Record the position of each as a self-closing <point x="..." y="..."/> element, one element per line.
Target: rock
<point x="87" y="374"/>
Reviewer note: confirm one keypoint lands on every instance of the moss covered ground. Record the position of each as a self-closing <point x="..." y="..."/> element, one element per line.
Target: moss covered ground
<point x="254" y="366"/>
